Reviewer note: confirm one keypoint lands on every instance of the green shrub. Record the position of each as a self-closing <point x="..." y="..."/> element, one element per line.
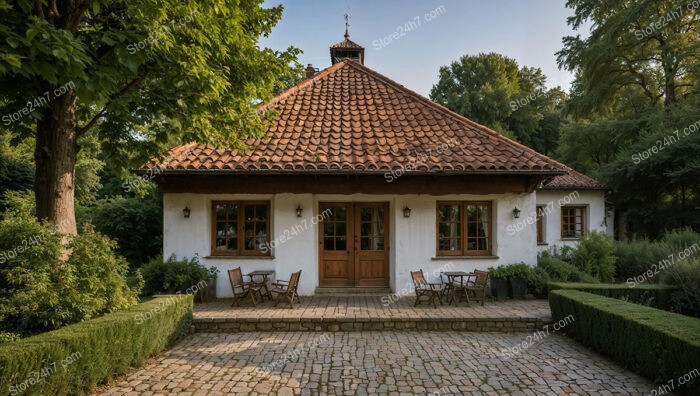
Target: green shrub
<point x="685" y="274"/>
<point x="678" y="240"/>
<point x="595" y="255"/>
<point x="561" y="252"/>
<point x="562" y="271"/>
<point x="95" y="351"/>
<point x="8" y="337"/>
<point x="657" y="344"/>
<point x="136" y="223"/>
<point x="657" y="296"/>
<point x="173" y="275"/>
<point x="44" y="291"/>
<point x="520" y="270"/>
<point x="636" y="257"/>
<point x="537" y="282"/>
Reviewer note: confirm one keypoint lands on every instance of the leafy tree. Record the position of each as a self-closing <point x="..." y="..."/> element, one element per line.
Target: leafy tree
<point x="141" y="74"/>
<point x="492" y="90"/>
<point x="637" y="83"/>
<point x="648" y="45"/>
<point x="656" y="179"/>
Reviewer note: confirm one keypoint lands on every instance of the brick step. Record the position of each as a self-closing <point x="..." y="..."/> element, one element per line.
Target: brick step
<point x="230" y="325"/>
<point x="325" y="291"/>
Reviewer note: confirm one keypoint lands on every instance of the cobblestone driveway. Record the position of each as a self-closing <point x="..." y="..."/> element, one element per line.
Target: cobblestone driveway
<point x="394" y="363"/>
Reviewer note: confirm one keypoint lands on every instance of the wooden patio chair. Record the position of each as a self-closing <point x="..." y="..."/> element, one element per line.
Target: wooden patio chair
<point x="477" y="288"/>
<point x="287" y="290"/>
<point x="242" y="290"/>
<point x="424" y="289"/>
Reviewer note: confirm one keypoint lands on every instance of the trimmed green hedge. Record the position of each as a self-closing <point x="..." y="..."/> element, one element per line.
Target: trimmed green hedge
<point x="75" y="358"/>
<point x="657" y="296"/>
<point x="657" y="344"/>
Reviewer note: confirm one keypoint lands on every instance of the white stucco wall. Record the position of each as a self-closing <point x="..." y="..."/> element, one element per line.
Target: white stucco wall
<point x="412" y="239"/>
<point x="593" y="200"/>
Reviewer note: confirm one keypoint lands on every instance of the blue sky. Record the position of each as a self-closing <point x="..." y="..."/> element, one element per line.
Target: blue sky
<point x="528" y="31"/>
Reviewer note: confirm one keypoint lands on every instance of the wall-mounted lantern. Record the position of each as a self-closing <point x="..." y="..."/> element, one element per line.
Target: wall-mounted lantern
<point x="406" y="212"/>
<point x="186" y="212"/>
<point x="299" y="211"/>
<point x="516" y="213"/>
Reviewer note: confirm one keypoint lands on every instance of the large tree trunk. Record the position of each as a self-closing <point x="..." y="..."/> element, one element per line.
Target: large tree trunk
<point x="55" y="155"/>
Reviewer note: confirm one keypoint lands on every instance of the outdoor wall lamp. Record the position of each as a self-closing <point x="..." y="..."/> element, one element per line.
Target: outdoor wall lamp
<point x="299" y="211"/>
<point x="186" y="212"/>
<point x="516" y="213"/>
<point x="406" y="212"/>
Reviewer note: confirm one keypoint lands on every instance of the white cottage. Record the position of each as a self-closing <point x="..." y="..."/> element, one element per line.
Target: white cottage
<point x="360" y="180"/>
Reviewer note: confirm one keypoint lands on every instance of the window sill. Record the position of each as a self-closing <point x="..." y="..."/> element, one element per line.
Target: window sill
<point x="571" y="239"/>
<point x="232" y="257"/>
<point x="465" y="258"/>
<point x="542" y="244"/>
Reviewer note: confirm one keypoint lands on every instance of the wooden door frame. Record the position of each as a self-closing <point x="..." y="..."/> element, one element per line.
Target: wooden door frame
<point x="353" y="242"/>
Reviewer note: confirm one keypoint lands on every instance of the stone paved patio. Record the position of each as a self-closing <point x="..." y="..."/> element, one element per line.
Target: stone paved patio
<point x="371" y="313"/>
<point x="367" y="307"/>
<point x="386" y="363"/>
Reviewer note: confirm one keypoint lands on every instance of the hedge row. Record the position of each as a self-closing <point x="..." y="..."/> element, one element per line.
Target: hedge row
<point x="75" y="358"/>
<point x="657" y="296"/>
<point x="659" y="345"/>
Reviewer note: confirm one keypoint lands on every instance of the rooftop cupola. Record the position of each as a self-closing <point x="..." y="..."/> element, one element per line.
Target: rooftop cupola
<point x="347" y="48"/>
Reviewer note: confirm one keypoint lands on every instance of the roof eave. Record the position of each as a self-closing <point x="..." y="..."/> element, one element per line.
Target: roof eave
<point x="543" y="172"/>
<point x="560" y="188"/>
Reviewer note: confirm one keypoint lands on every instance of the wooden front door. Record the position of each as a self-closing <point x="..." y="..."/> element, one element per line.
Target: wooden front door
<point x="354" y="244"/>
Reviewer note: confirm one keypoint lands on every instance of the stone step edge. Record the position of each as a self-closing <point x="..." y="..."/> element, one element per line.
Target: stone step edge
<point x="473" y="326"/>
<point x="346" y="319"/>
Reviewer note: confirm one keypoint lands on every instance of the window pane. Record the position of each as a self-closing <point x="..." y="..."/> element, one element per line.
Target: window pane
<point x="341" y="214"/>
<point x="261" y="212"/>
<point x="232" y="230"/>
<point x="365" y="214"/>
<point x="328" y="228"/>
<point x="365" y="229"/>
<point x="221" y="212"/>
<point x="478" y="227"/>
<point x="249" y="232"/>
<point x="340" y="229"/>
<point x="328" y="243"/>
<point x="260" y="235"/>
<point x="449" y="213"/>
<point x="471" y="229"/>
<point x="340" y="243"/>
<point x="220" y="244"/>
<point x="249" y="212"/>
<point x="221" y="230"/>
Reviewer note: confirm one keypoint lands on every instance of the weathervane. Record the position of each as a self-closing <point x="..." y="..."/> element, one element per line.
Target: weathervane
<point x="347" y="24"/>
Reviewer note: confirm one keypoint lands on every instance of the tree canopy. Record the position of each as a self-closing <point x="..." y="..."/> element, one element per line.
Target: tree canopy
<point x="142" y="74"/>
<point x="635" y="108"/>
<point x="493" y="90"/>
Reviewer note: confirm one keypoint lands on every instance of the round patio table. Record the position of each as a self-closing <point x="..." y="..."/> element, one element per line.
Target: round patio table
<point x="452" y="289"/>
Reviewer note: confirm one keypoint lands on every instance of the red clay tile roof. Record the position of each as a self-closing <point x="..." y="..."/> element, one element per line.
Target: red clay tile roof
<point x="348" y="118"/>
<point x="573" y="181"/>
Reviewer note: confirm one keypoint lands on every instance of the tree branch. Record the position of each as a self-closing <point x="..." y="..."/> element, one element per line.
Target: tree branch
<point x="101" y="113"/>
